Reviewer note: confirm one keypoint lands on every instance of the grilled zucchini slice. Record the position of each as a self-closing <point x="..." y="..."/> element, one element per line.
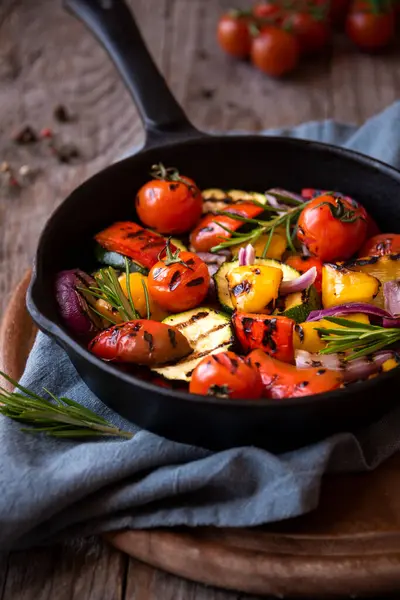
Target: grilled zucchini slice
<point x="298" y="306"/>
<point x="215" y="199"/>
<point x="117" y="261"/>
<point x="208" y="332"/>
<point x="221" y="283"/>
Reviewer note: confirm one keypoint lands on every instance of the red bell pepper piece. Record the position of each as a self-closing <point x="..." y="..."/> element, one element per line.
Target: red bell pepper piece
<point x="282" y="380"/>
<point x="131" y="240"/>
<point x="208" y="233"/>
<point x="272" y="334"/>
<point x="302" y="263"/>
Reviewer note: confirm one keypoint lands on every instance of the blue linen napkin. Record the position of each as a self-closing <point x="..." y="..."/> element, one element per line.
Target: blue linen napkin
<point x="51" y="488"/>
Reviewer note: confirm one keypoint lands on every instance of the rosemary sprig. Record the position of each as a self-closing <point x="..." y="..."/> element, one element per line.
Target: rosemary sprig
<point x="360" y="339"/>
<point x="56" y="417"/>
<point x="109" y="289"/>
<point x="262" y="228"/>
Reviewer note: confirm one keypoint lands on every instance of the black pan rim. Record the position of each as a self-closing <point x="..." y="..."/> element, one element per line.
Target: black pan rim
<point x="62" y="336"/>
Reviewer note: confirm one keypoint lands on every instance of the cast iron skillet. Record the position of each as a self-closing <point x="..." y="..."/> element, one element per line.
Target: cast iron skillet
<point x="244" y="162"/>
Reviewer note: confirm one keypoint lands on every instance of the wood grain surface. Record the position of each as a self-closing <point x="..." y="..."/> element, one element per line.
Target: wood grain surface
<point x="47" y="58"/>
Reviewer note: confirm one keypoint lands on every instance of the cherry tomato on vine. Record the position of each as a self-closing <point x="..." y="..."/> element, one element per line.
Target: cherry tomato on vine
<point x="179" y="281"/>
<point x="226" y="375"/>
<point x="275" y="51"/>
<point x="170" y="203"/>
<point x="379" y="245"/>
<point x="370" y="26"/>
<point x="233" y="34"/>
<point x="332" y="228"/>
<point x="312" y="34"/>
<point x="267" y="9"/>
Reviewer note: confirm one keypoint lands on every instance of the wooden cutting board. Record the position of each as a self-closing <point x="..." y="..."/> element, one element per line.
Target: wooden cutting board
<point x="350" y="546"/>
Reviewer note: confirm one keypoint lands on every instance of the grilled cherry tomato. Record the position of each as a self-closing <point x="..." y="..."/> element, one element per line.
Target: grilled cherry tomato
<point x="208" y="232"/>
<point x="272" y="334"/>
<point x="282" y="380"/>
<point x="233" y="34"/>
<point x="310" y="193"/>
<point x="179" y="282"/>
<point x="170" y="203"/>
<point x="275" y="51"/>
<point x="303" y="263"/>
<point x="142" y="342"/>
<point x="312" y="34"/>
<point x="226" y="375"/>
<point x="370" y="26"/>
<point x="332" y="228"/>
<point x="379" y="245"/>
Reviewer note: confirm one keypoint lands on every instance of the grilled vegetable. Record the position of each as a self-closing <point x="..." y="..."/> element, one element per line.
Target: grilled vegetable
<point x="216" y="199"/>
<point x="298" y="306"/>
<point x="384" y="268"/>
<point x="117" y="261"/>
<point x="212" y="229"/>
<point x="179" y="282"/>
<point x="340" y="285"/>
<point x="221" y="281"/>
<point x="142" y="342"/>
<point x="381" y="244"/>
<point x="302" y="263"/>
<point x="282" y="380"/>
<point x="332" y="228"/>
<point x="208" y="332"/>
<point x="137" y="284"/>
<point x="170" y="203"/>
<point x="273" y="335"/>
<point x="254" y="288"/>
<point x="226" y="375"/>
<point x="75" y="304"/>
<point x="274" y="249"/>
<point x="131" y="240"/>
<point x="307" y="336"/>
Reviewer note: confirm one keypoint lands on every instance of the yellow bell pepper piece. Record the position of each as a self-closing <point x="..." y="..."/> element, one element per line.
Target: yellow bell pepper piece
<point x="340" y="285"/>
<point x="139" y="298"/>
<point x="306" y="337"/>
<point x="276" y="248"/>
<point x="254" y="288"/>
<point x="110" y="314"/>
<point x="389" y="364"/>
<point x="384" y="268"/>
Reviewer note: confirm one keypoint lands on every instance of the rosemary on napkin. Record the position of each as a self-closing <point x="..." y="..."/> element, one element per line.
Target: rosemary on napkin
<point x="57" y="417"/>
<point x="360" y="339"/>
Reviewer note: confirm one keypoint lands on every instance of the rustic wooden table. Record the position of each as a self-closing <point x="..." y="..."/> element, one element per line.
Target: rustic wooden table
<point x="47" y="58"/>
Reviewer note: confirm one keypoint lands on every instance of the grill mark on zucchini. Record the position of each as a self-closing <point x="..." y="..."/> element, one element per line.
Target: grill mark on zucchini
<point x="194" y="319"/>
<point x="198" y="355"/>
<point x="216" y="328"/>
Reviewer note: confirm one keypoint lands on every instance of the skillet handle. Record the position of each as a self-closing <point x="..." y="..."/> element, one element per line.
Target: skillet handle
<point x="114" y="26"/>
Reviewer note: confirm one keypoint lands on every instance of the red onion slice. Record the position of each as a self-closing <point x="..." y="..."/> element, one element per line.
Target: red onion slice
<point x="301" y="283"/>
<point x="284" y="197"/>
<point x="355" y="307"/>
<point x="391" y="292"/>
<point x="73" y="304"/>
<point x="352" y="370"/>
<point x="246" y="256"/>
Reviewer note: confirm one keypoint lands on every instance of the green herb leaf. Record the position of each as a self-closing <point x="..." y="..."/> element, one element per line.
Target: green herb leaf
<point x="57" y="417"/>
<point x="358" y="338"/>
